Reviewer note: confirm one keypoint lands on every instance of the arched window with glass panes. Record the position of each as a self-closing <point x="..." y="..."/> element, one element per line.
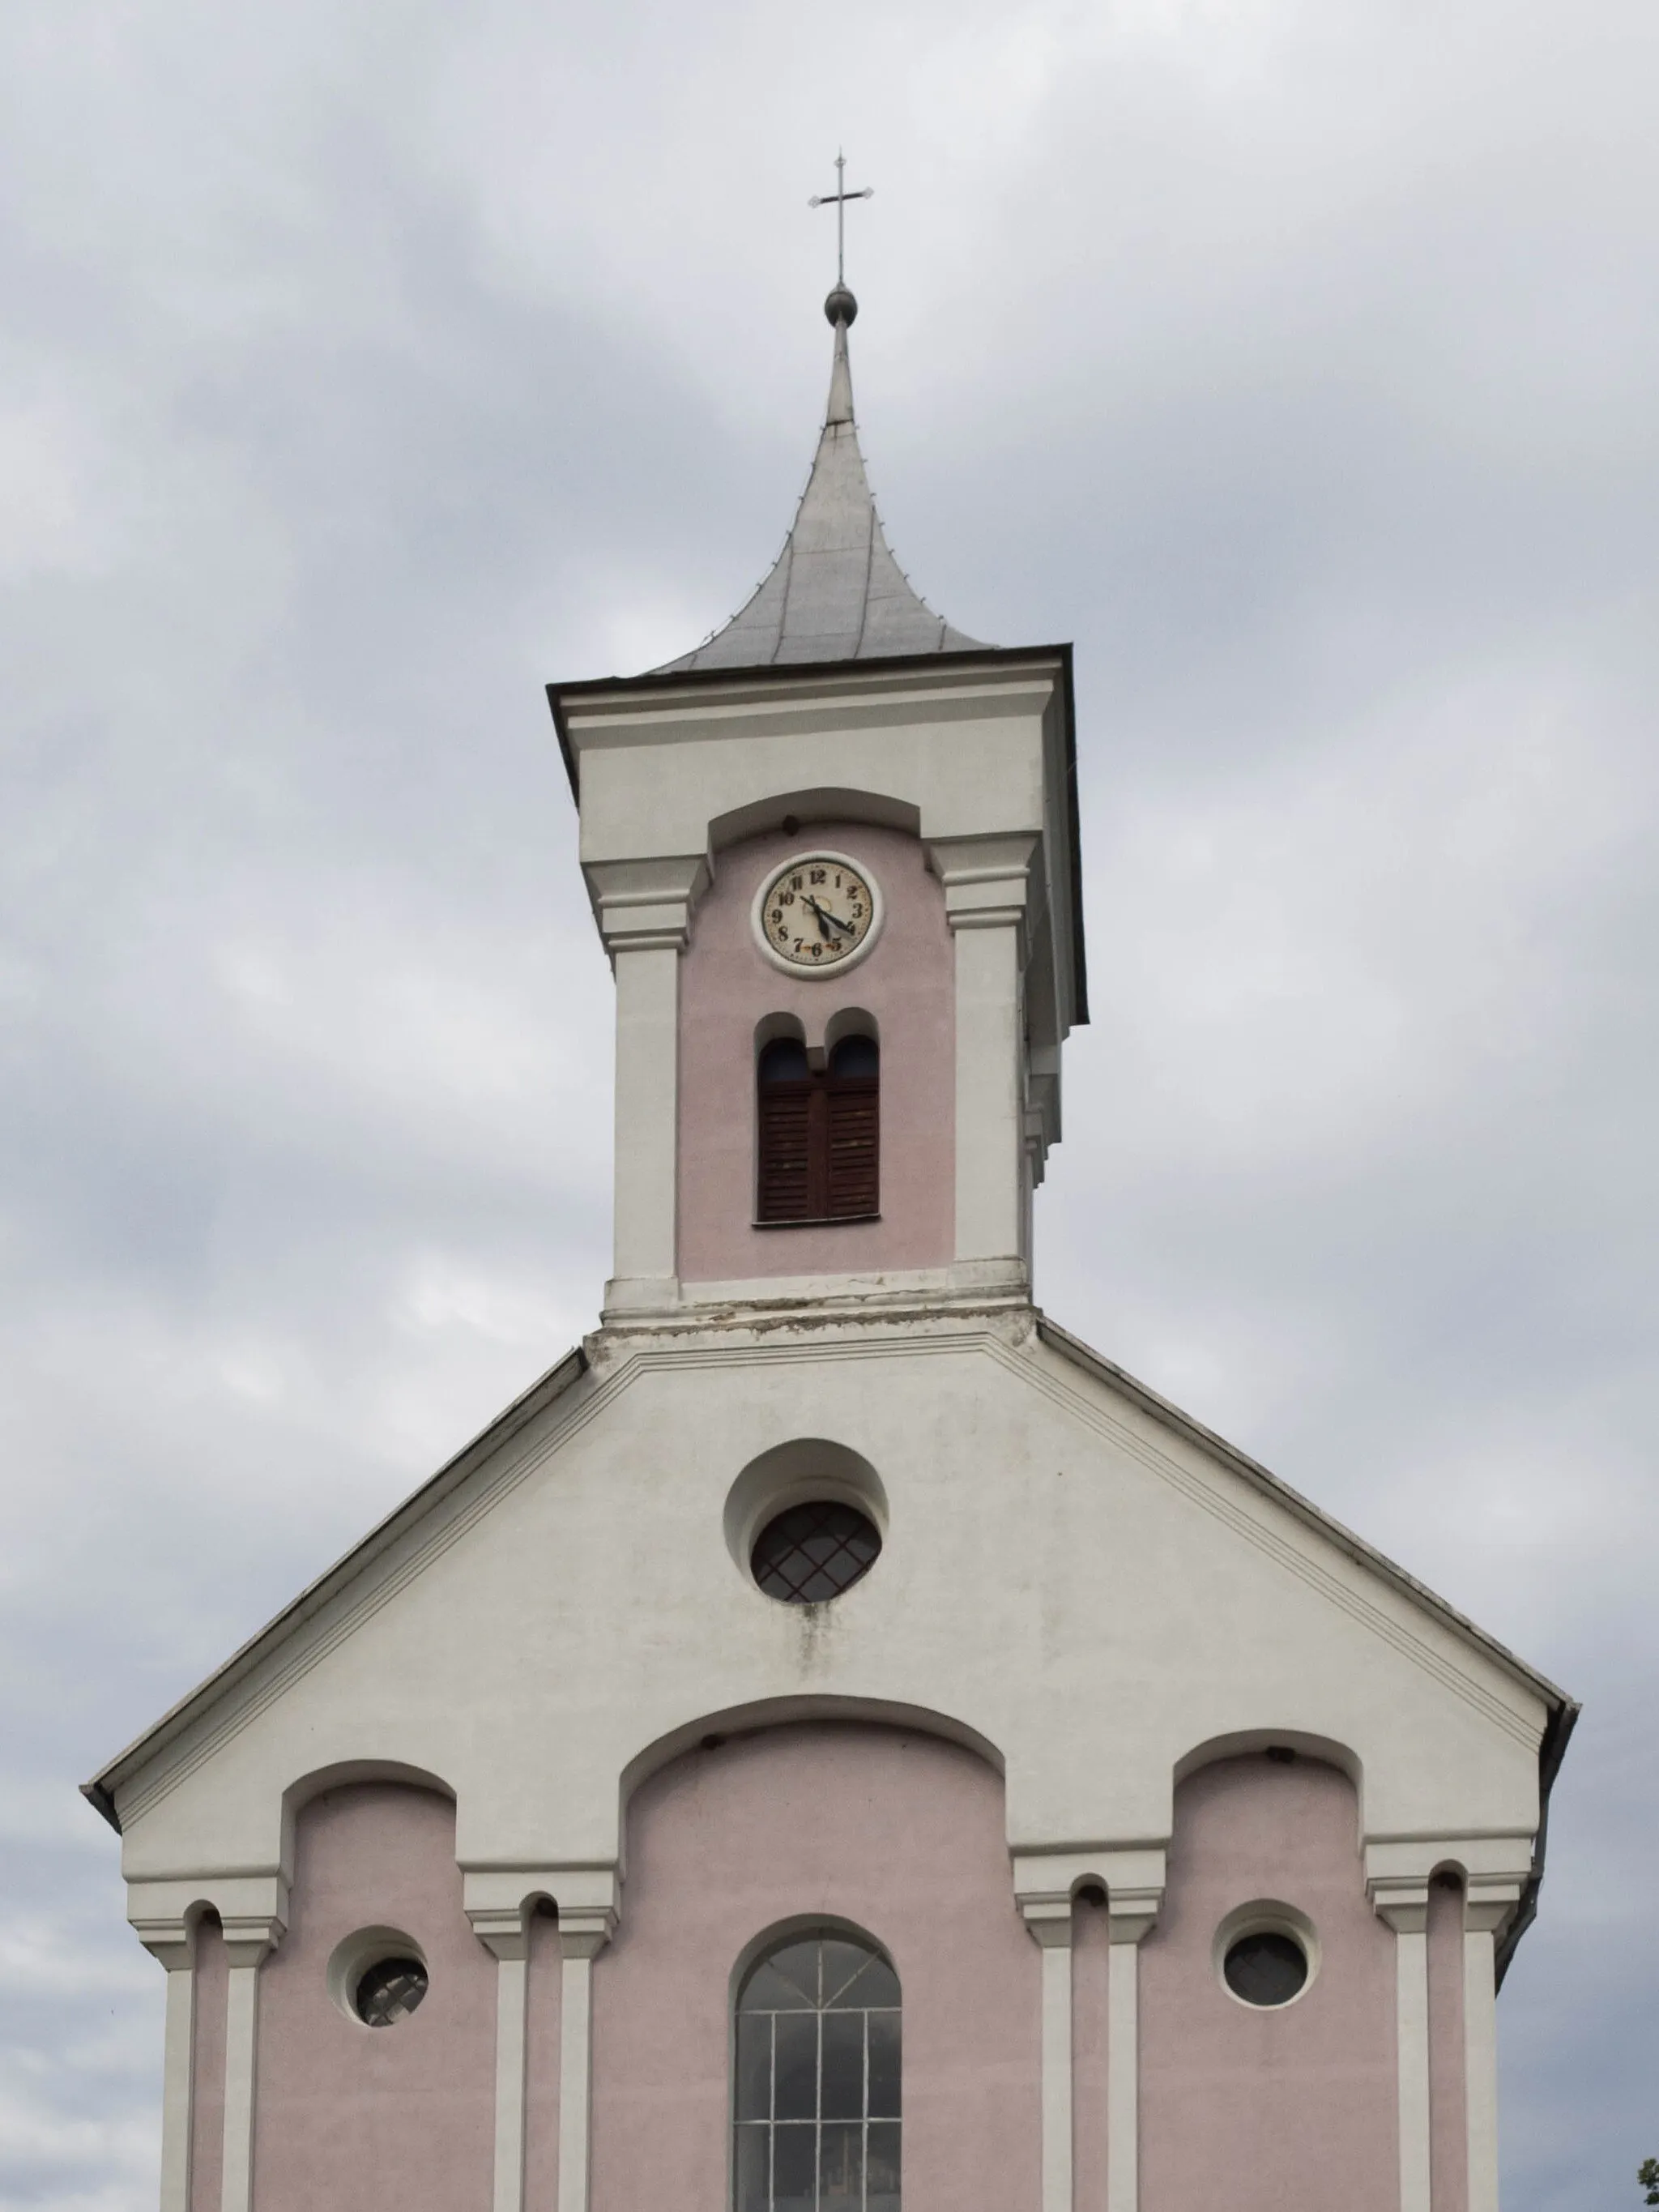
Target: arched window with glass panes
<point x="815" y="2114"/>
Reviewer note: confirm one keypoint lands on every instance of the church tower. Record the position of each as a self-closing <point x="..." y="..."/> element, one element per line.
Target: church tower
<point x="835" y="1743"/>
<point x="832" y="855"/>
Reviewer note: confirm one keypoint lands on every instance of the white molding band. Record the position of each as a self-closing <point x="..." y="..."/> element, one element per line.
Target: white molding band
<point x="987" y="881"/>
<point x="647" y="1110"/>
<point x="644" y="912"/>
<point x="173" y="1944"/>
<point x="1487" y="1907"/>
<point x="1404" y="1906"/>
<point x="247" y="1941"/>
<point x="1131" y="1913"/>
<point x="1049" y="1920"/>
<point x="505" y="1933"/>
<point x="582" y="1935"/>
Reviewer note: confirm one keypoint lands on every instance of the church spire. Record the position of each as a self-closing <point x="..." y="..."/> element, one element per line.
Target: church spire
<point x="835" y="592"/>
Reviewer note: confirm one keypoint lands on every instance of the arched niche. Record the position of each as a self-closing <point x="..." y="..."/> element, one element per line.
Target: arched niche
<point x="781" y="1712"/>
<point x="1242" y="1743"/>
<point x="338" y="1776"/>
<point x="825" y="803"/>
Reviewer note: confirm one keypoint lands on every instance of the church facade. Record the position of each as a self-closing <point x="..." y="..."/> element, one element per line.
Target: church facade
<point x="836" y="1743"/>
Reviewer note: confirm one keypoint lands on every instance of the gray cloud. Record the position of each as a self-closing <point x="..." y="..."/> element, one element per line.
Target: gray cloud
<point x="363" y="371"/>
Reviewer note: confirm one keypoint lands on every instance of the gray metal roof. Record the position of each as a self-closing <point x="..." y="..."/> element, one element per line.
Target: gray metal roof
<point x="836" y="593"/>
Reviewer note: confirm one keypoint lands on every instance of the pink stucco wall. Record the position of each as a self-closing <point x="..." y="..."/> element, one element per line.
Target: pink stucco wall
<point x="727" y="986"/>
<point x="349" y="2116"/>
<point x="898" y="1833"/>
<point x="1447" y="2128"/>
<point x="207" y="2134"/>
<point x="1291" y="2109"/>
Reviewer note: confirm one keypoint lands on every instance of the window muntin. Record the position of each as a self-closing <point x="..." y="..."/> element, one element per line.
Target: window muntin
<point x="810" y="1553"/>
<point x="815" y="2111"/>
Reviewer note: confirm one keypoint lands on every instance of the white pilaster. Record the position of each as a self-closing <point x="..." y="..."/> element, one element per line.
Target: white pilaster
<point x="173" y="1943"/>
<point x="1131" y="1913"/>
<point x="505" y="1933"/>
<point x="1404" y="1906"/>
<point x="1045" y="1882"/>
<point x="1487" y="1907"/>
<point x="644" y="912"/>
<point x="986" y="882"/>
<point x="1049" y="1920"/>
<point x="247" y="1941"/>
<point x="582" y="1935"/>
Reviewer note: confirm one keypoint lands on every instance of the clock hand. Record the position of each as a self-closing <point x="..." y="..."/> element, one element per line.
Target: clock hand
<point x="824" y="915"/>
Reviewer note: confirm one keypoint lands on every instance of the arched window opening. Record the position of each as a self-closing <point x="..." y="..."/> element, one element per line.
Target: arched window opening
<point x="816" y="2097"/>
<point x="818" y="1133"/>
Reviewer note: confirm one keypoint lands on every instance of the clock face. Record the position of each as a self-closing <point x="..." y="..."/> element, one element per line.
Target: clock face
<point x="818" y="914"/>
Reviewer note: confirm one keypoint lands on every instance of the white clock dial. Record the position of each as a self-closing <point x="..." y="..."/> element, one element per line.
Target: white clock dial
<point x="818" y="914"/>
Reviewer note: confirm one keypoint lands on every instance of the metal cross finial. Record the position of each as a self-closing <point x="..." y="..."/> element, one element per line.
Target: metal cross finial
<point x="838" y="200"/>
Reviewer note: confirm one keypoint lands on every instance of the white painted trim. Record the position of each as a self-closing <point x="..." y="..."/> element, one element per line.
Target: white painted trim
<point x="512" y="1988"/>
<point x="247" y="1944"/>
<point x="178" y="2086"/>
<point x="989" y="1116"/>
<point x="176" y="1950"/>
<point x="851" y="1296"/>
<point x="1049" y="1920"/>
<point x="503" y="1931"/>
<point x="1406" y="1912"/>
<point x="646" y="1109"/>
<point x="865" y="945"/>
<point x="582" y="1935"/>
<point x="1123" y="2066"/>
<point x="1481" y="2066"/>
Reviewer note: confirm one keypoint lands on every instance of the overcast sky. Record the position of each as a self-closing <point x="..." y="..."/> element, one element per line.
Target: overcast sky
<point x="362" y="369"/>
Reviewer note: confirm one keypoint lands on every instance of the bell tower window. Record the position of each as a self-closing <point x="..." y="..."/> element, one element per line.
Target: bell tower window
<point x="817" y="1132"/>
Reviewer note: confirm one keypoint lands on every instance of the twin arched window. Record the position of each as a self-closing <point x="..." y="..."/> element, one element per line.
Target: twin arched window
<point x="818" y="1133"/>
<point x="816" y="2092"/>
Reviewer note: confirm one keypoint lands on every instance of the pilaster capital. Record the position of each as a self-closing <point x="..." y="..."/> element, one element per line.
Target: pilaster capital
<point x="1403" y="1904"/>
<point x="1489" y="1903"/>
<point x="171" y="1942"/>
<point x="988" y="880"/>
<point x="250" y="1937"/>
<point x="497" y="1902"/>
<point x="505" y="1931"/>
<point x="1494" y="1871"/>
<point x="584" y="1933"/>
<point x="1131" y="1913"/>
<point x="646" y="906"/>
<point x="1132" y="1875"/>
<point x="165" y="1913"/>
<point x="1048" y="1920"/>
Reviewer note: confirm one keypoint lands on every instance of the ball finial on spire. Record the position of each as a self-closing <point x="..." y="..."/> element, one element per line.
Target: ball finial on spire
<point x="840" y="306"/>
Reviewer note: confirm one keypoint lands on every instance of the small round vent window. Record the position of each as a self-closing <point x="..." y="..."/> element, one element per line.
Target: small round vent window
<point x="389" y="1991"/>
<point x="812" y="1552"/>
<point x="1266" y="1968"/>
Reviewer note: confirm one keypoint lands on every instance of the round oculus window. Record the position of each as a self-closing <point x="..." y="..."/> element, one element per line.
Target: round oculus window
<point x="389" y="1991"/>
<point x="1266" y="1968"/>
<point x="817" y="914"/>
<point x="810" y="1553"/>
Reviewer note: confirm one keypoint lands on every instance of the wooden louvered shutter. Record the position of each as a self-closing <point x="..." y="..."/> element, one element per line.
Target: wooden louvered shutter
<point x="784" y="1147"/>
<point x="853" y="1147"/>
